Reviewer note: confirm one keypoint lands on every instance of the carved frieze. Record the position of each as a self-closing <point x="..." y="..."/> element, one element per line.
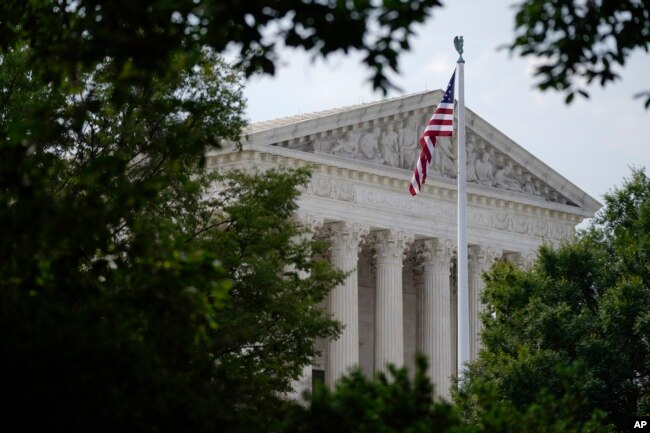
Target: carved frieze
<point x="501" y="220"/>
<point x="522" y="224"/>
<point x="440" y="212"/>
<point x="480" y="218"/>
<point x="324" y="187"/>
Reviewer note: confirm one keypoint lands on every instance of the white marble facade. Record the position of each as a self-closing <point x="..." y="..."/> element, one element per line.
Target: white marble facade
<point x="400" y="295"/>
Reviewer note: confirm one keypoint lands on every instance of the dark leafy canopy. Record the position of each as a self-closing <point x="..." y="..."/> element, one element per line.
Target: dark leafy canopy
<point x="267" y="328"/>
<point x="126" y="303"/>
<point x="395" y="402"/>
<point x="75" y="161"/>
<point x="585" y="309"/>
<point x="565" y="412"/>
<point x="145" y="37"/>
<point x="392" y="403"/>
<point x="581" y="40"/>
<point x="102" y="313"/>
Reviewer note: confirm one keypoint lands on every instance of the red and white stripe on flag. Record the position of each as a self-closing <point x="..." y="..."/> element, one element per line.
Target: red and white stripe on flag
<point x="441" y="124"/>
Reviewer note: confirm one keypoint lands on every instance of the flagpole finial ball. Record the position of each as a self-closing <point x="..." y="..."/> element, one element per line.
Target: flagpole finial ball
<point x="458" y="43"/>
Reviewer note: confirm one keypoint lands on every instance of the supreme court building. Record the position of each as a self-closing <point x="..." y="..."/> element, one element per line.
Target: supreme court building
<point x="400" y="295"/>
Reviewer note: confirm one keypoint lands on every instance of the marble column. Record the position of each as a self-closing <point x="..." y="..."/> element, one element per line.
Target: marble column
<point x="343" y="301"/>
<point x="389" y="324"/>
<point x="481" y="260"/>
<point x="435" y="327"/>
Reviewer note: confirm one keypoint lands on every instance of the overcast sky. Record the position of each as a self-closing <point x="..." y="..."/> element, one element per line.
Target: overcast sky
<point x="591" y="142"/>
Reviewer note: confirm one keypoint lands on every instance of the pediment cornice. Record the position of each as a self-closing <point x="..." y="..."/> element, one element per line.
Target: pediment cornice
<point x="382" y="137"/>
<point x="288" y="131"/>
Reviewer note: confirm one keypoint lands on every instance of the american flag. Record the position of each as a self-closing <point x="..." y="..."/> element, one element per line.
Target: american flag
<point x="440" y="125"/>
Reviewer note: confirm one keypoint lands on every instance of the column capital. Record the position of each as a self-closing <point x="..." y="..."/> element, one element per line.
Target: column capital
<point x="309" y="221"/>
<point x="521" y="260"/>
<point x="390" y="246"/>
<point x="345" y="238"/>
<point x="483" y="257"/>
<point x="435" y="253"/>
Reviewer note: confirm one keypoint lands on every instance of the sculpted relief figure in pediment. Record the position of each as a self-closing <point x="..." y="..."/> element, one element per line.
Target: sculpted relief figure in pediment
<point x="396" y="144"/>
<point x="353" y="144"/>
<point x="392" y="144"/>
<point x="480" y="169"/>
<point x="504" y="178"/>
<point x="409" y="148"/>
<point x="344" y="146"/>
<point x="389" y="146"/>
<point x="444" y="158"/>
<point x="483" y="168"/>
<point x="368" y="147"/>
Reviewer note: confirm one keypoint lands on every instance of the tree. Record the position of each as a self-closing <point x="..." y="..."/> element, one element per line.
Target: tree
<point x="144" y="38"/>
<point x="99" y="324"/>
<point x="122" y="289"/>
<point x="268" y="326"/>
<point x="581" y="40"/>
<point x="398" y="401"/>
<point x="584" y="308"/>
<point x="127" y="301"/>
<point x="391" y="403"/>
<point x="486" y="409"/>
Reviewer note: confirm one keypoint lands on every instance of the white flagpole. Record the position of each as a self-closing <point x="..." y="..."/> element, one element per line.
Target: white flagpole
<point x="463" y="295"/>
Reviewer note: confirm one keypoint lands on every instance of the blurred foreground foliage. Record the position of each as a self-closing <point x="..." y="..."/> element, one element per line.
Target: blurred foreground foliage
<point x="578" y="322"/>
<point x="578" y="43"/>
<point x="139" y="291"/>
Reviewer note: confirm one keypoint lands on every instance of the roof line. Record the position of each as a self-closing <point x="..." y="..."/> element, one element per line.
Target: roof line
<point x="288" y="120"/>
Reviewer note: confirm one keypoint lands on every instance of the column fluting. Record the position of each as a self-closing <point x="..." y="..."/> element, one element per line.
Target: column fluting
<point x="434" y="321"/>
<point x="343" y="301"/>
<point x="389" y="316"/>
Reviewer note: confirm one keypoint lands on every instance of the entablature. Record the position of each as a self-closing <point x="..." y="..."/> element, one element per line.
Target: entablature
<point x="347" y="174"/>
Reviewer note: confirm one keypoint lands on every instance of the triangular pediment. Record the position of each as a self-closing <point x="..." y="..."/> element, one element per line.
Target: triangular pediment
<point x="386" y="134"/>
